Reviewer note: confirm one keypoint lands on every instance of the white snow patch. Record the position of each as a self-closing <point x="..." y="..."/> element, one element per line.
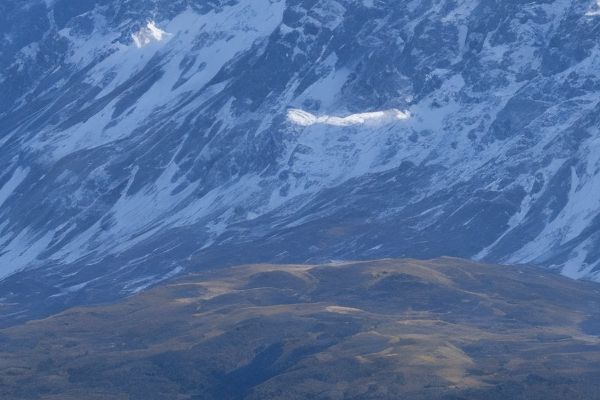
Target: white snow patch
<point x="326" y="91"/>
<point x="21" y="251"/>
<point x="304" y="118"/>
<point x="596" y="12"/>
<point x="576" y="267"/>
<point x="146" y="282"/>
<point x="148" y="34"/>
<point x="368" y="3"/>
<point x="15" y="180"/>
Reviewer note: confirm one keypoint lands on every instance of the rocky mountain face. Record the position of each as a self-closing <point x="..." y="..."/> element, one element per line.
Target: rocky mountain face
<point x="139" y="138"/>
<point x="392" y="329"/>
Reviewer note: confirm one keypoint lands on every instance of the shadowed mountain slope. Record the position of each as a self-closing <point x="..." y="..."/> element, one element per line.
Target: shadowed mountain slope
<point x="140" y="136"/>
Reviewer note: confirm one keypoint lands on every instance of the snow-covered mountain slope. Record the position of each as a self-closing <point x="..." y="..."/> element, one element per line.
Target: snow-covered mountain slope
<point x="140" y="138"/>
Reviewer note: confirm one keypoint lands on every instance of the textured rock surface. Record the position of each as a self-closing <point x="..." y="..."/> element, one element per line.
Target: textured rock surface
<point x="141" y="137"/>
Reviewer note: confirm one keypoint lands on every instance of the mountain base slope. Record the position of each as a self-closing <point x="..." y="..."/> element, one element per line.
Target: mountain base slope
<point x="437" y="329"/>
